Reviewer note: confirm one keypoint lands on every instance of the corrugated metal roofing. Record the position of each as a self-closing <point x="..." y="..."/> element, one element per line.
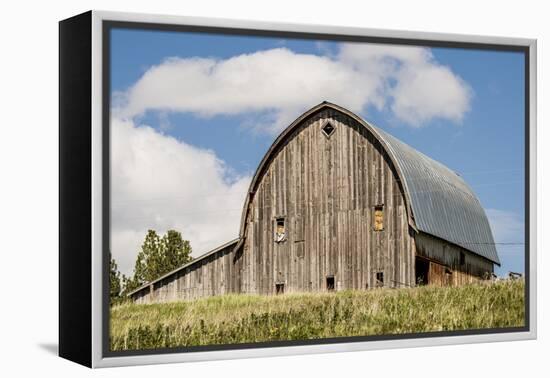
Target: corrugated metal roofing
<point x="442" y="203"/>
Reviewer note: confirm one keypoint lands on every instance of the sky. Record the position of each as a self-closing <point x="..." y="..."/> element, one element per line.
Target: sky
<point x="192" y="115"/>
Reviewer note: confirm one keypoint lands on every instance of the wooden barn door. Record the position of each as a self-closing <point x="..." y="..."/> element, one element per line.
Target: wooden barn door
<point x="429" y="272"/>
<point x="422" y="270"/>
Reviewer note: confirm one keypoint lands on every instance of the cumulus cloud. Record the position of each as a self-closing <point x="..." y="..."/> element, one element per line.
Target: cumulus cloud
<point x="160" y="182"/>
<point x="274" y="86"/>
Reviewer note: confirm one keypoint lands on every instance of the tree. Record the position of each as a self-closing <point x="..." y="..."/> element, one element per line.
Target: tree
<point x="115" y="281"/>
<point x="157" y="257"/>
<point x="129" y="285"/>
<point x="175" y="251"/>
<point x="148" y="258"/>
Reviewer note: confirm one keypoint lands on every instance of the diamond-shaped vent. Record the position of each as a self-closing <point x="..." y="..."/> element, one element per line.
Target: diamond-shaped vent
<point x="328" y="129"/>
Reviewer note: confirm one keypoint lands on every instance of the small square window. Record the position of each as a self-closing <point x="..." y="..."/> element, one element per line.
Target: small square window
<point x="279" y="288"/>
<point x="328" y="129"/>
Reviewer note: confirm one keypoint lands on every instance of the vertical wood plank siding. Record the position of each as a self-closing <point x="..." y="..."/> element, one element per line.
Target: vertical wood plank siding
<point x="213" y="275"/>
<point x="445" y="256"/>
<point x="326" y="188"/>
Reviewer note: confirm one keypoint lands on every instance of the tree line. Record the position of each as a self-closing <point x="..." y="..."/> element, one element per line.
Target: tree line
<point x="157" y="256"/>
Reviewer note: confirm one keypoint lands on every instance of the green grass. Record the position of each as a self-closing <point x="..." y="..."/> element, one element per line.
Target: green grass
<point x="250" y="318"/>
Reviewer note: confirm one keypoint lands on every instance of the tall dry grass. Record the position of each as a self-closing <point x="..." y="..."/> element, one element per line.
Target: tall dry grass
<point x="242" y="318"/>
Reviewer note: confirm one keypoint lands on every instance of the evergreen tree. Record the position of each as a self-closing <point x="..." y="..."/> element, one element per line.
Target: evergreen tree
<point x="128" y="284"/>
<point x="175" y="251"/>
<point x="146" y="268"/>
<point x="157" y="257"/>
<point x="115" y="282"/>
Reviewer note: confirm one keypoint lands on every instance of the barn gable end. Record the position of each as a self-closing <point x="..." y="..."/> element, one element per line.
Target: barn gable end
<point x="328" y="189"/>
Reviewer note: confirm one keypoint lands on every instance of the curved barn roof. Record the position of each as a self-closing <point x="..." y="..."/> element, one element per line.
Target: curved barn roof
<point x="442" y="203"/>
<point x="439" y="202"/>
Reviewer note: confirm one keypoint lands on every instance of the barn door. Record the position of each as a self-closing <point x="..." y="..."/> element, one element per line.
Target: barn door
<point x="422" y="271"/>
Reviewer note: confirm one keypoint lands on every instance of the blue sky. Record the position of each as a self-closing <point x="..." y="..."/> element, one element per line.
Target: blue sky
<point x="477" y="130"/>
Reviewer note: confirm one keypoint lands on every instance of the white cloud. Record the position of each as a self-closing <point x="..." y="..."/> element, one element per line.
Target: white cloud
<point x="277" y="85"/>
<point x="159" y="182"/>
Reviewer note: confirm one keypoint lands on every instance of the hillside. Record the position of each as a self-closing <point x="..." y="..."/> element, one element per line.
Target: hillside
<point x="248" y="318"/>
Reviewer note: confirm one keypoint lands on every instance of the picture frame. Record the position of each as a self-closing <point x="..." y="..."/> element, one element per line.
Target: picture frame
<point x="86" y="100"/>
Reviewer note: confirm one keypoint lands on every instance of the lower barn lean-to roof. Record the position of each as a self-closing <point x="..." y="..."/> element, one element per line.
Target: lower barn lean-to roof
<point x="191" y="263"/>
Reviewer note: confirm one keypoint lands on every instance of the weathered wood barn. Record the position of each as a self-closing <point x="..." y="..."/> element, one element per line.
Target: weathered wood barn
<point x="336" y="204"/>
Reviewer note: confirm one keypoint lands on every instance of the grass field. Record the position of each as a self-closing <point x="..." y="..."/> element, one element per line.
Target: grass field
<point x="249" y="318"/>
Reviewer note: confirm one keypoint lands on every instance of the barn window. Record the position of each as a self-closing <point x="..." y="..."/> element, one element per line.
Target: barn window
<point x="379" y="279"/>
<point x="280" y="229"/>
<point x="462" y="258"/>
<point x="379" y="218"/>
<point x="279" y="288"/>
<point x="328" y="129"/>
<point x="330" y="283"/>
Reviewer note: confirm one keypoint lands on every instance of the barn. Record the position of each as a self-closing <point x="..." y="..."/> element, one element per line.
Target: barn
<point x="336" y="203"/>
